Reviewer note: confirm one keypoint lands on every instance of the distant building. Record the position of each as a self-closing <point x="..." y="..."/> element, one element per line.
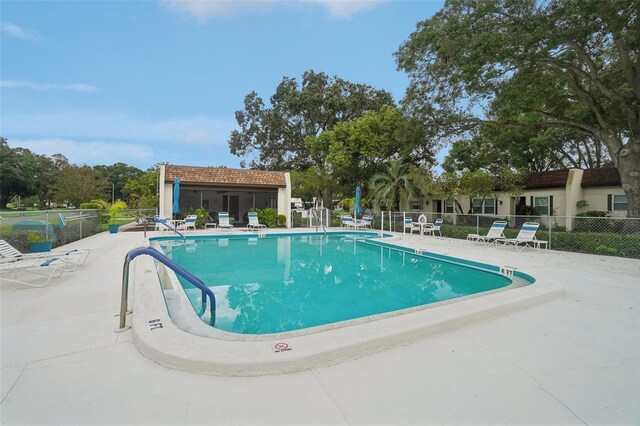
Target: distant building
<point x="552" y="193"/>
<point x="221" y="189"/>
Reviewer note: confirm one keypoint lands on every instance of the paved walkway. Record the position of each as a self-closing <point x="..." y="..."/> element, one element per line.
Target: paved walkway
<point x="573" y="360"/>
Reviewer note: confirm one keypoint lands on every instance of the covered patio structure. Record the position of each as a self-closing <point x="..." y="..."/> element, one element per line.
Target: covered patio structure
<point x="222" y="189"/>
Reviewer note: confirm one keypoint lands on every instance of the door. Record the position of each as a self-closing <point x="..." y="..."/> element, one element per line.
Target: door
<point x="231" y="204"/>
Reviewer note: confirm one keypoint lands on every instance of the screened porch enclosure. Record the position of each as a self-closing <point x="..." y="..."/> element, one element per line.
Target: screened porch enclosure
<point x="236" y="201"/>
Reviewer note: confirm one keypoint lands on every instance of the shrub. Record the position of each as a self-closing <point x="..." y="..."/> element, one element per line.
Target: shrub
<point x="593" y="213"/>
<point x="95" y="205"/>
<point x="626" y="245"/>
<point x="268" y="216"/>
<point x="201" y="218"/>
<point x="281" y="220"/>
<point x="35" y="237"/>
<point x="116" y="208"/>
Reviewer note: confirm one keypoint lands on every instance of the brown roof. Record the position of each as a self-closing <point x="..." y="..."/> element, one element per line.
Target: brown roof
<point x="601" y="177"/>
<point x="224" y="176"/>
<point x="558" y="178"/>
<point x="550" y="179"/>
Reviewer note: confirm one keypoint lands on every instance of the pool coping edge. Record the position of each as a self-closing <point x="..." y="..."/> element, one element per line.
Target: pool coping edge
<point x="158" y="338"/>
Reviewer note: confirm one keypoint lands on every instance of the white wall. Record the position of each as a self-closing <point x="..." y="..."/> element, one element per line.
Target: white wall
<point x="284" y="199"/>
<point x="597" y="197"/>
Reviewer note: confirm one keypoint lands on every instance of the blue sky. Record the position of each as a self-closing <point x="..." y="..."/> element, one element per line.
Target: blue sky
<point x="143" y="82"/>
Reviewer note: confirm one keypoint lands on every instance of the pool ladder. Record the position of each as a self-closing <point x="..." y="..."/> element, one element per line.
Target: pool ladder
<point x="164" y="222"/>
<point x="150" y="251"/>
<point x="319" y="220"/>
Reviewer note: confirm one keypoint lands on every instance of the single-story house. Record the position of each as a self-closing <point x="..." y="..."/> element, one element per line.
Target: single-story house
<point x="551" y="193"/>
<point x="222" y="189"/>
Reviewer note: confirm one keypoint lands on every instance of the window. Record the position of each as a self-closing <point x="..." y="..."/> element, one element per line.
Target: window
<point x="416" y="205"/>
<point x="486" y="206"/>
<point x="619" y="203"/>
<point x="448" y="206"/>
<point x="541" y="205"/>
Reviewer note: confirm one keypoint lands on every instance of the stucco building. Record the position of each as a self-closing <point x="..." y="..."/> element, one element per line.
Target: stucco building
<point x="222" y="189"/>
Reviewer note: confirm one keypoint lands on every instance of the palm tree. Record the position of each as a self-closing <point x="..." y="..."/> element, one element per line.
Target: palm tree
<point x="394" y="187"/>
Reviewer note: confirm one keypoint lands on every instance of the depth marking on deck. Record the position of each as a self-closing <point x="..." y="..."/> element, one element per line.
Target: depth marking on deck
<point x="281" y="347"/>
<point x="155" y="324"/>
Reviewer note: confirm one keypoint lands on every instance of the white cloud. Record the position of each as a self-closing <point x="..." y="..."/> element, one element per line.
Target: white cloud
<point x="104" y="137"/>
<point x="15" y="31"/>
<point x="76" y="87"/>
<point x="197" y="130"/>
<point x="203" y="10"/>
<point x="346" y="8"/>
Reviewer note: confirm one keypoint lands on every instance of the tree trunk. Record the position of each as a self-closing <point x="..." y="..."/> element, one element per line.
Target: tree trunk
<point x="627" y="161"/>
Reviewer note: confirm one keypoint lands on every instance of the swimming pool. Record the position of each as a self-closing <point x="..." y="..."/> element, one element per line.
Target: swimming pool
<point x="287" y="282"/>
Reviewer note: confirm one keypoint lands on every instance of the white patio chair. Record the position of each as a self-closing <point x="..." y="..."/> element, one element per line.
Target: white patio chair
<point x="366" y="222"/>
<point x="70" y="259"/>
<point x="495" y="233"/>
<point x="223" y="221"/>
<point x="253" y="222"/>
<point x="435" y="227"/>
<point x="526" y="237"/>
<point x="48" y="268"/>
<point x="347" y="222"/>
<point x="189" y="223"/>
<point x="408" y="224"/>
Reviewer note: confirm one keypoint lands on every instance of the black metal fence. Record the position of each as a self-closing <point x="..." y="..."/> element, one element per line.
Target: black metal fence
<point x="615" y="236"/>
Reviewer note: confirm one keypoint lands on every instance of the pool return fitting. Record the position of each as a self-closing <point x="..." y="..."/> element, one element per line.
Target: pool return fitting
<point x="150" y="251"/>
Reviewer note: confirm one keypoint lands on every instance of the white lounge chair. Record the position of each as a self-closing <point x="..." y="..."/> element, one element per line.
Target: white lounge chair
<point x="48" y="268"/>
<point x="526" y="237"/>
<point x="408" y="224"/>
<point x="435" y="227"/>
<point x="366" y="222"/>
<point x="347" y="222"/>
<point x="189" y="223"/>
<point x="495" y="233"/>
<point x="162" y="223"/>
<point x="70" y="259"/>
<point x="253" y="222"/>
<point x="223" y="221"/>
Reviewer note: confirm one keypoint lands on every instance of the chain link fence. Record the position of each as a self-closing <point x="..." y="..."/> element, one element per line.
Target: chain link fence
<point x="596" y="235"/>
<point x="23" y="229"/>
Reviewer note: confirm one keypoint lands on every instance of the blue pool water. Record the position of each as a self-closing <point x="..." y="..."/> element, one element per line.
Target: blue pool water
<point x="289" y="282"/>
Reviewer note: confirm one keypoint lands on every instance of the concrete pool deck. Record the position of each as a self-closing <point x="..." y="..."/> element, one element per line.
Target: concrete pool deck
<point x="572" y="360"/>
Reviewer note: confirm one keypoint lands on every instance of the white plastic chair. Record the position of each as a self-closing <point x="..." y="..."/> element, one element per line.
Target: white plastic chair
<point x="434" y="228"/>
<point x="49" y="268"/>
<point x="526" y="237"/>
<point x="347" y="222"/>
<point x="253" y="222"/>
<point x="494" y="234"/>
<point x="408" y="224"/>
<point x="189" y="223"/>
<point x="366" y="222"/>
<point x="223" y="221"/>
<point x="70" y="259"/>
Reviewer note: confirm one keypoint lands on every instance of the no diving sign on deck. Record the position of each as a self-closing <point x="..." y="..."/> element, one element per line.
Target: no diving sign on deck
<point x="281" y="347"/>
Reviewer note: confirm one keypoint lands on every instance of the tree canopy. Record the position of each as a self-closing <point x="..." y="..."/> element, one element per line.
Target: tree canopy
<point x="569" y="65"/>
<point x="275" y="134"/>
<point x="24" y="173"/>
<point x="117" y="176"/>
<point x="79" y="184"/>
